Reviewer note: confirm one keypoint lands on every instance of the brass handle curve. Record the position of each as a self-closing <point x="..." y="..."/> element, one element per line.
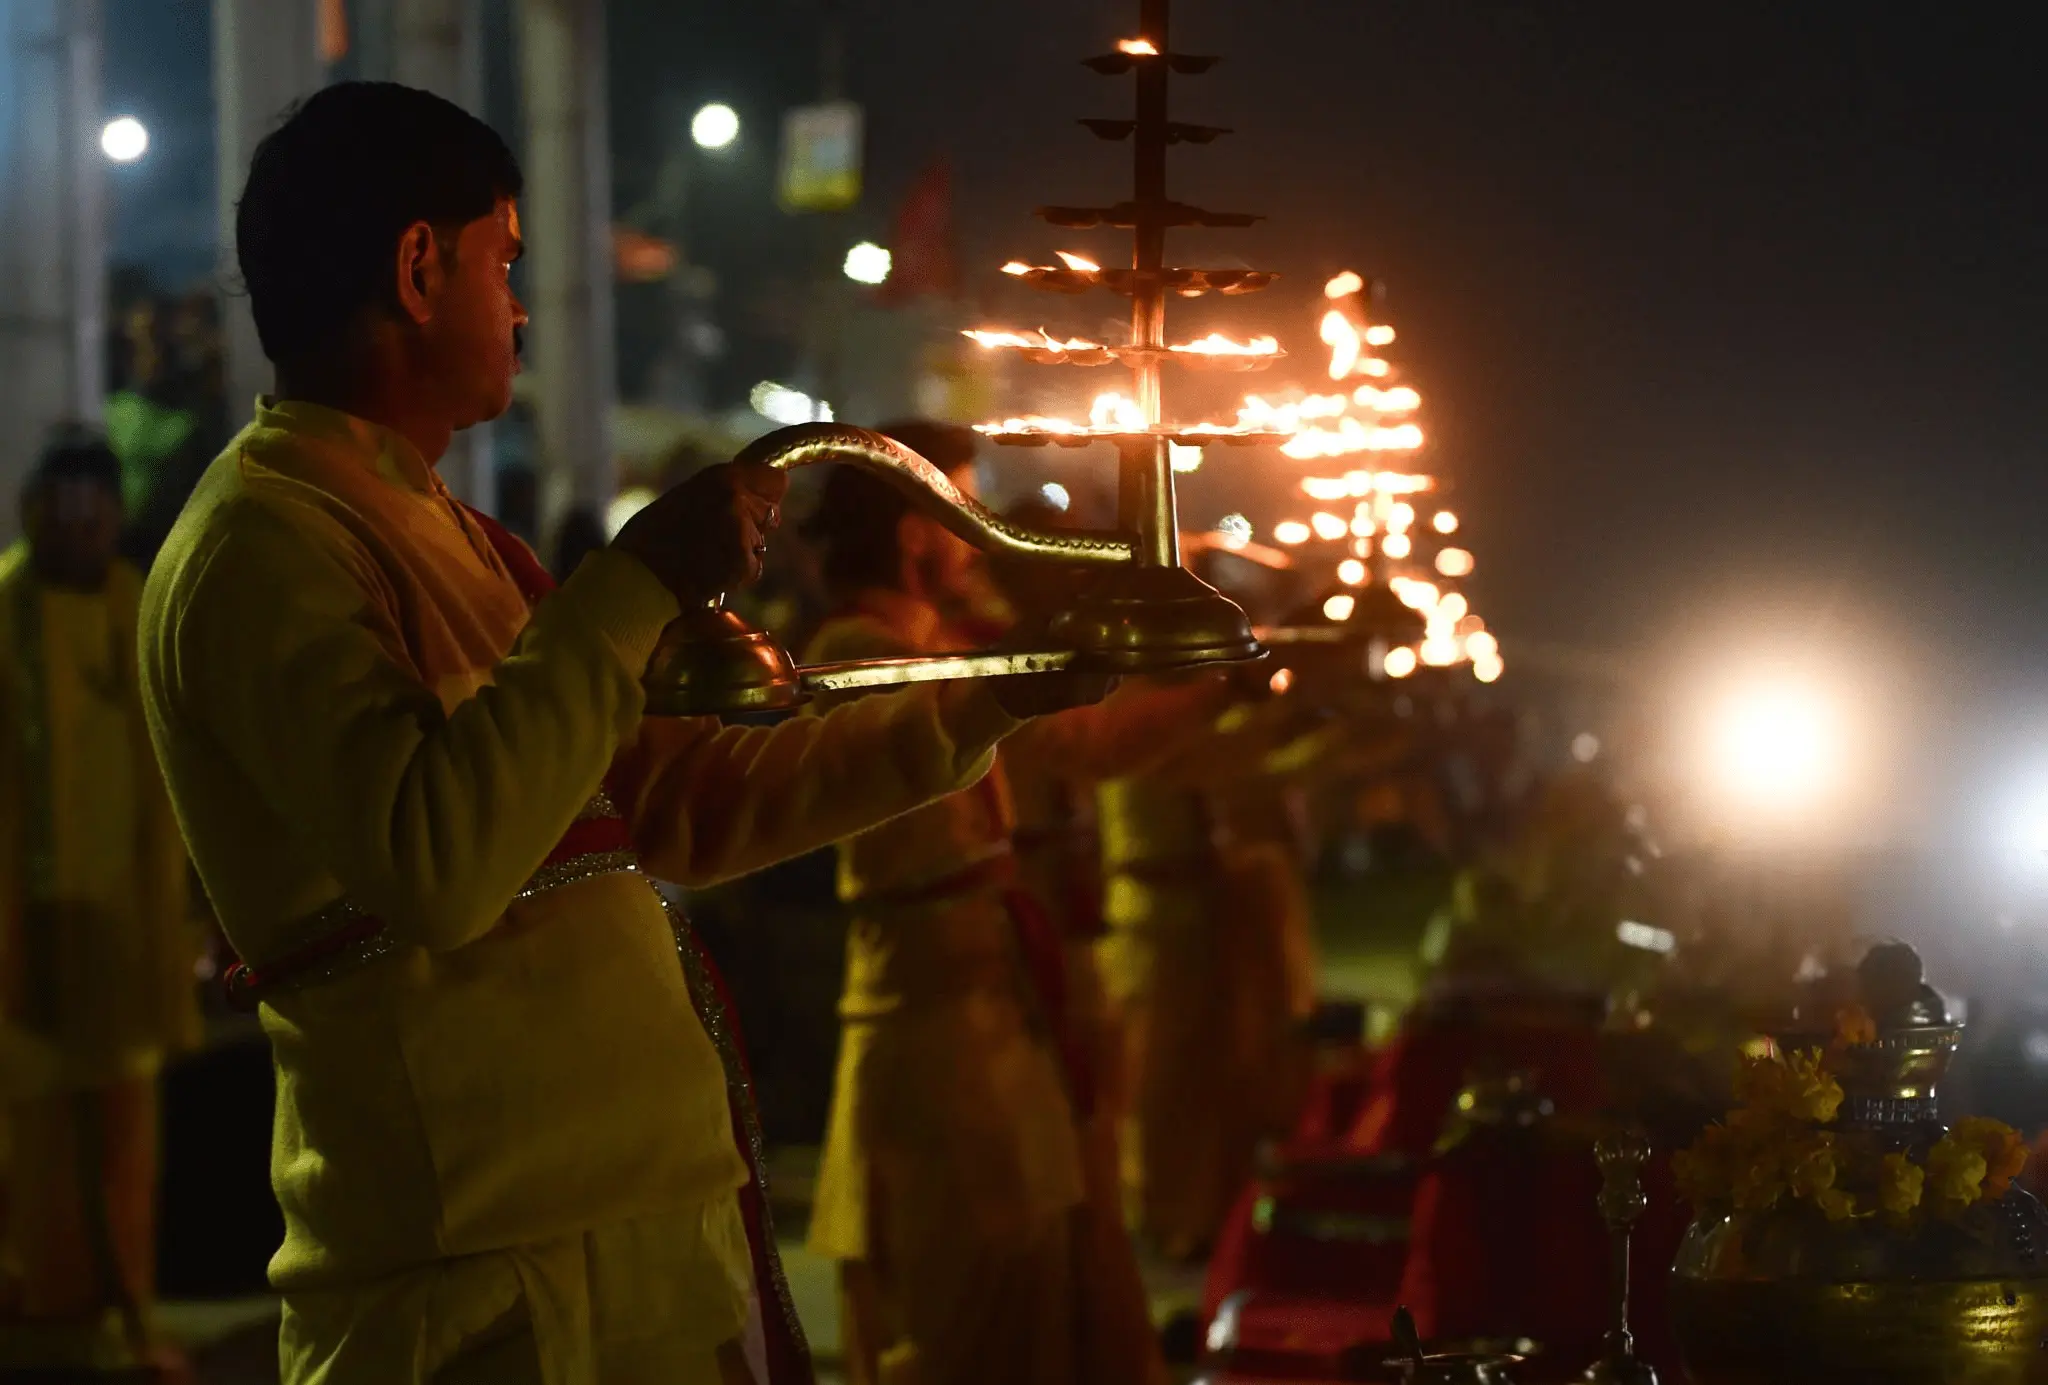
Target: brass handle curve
<point x="927" y="488"/>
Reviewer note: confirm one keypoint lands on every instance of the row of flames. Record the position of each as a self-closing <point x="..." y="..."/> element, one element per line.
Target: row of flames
<point x="1369" y="527"/>
<point x="1373" y="516"/>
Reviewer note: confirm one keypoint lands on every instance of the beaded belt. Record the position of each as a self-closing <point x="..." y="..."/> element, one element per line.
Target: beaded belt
<point x="341" y="937"/>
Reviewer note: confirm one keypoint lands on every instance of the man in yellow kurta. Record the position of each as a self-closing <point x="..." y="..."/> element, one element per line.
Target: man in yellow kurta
<point x="503" y="1145"/>
<point x="96" y="948"/>
<point x="952" y="1191"/>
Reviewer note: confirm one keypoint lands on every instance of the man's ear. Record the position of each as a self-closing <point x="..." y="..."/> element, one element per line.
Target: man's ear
<point x="420" y="273"/>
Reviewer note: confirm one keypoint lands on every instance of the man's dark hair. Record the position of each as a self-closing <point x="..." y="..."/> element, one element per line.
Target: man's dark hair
<point x="332" y="189"/>
<point x="857" y="514"/>
<point x="854" y="527"/>
<point x="75" y="453"/>
<point x="947" y="446"/>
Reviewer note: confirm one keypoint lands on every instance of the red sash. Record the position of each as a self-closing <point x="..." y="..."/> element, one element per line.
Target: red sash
<point x="789" y="1355"/>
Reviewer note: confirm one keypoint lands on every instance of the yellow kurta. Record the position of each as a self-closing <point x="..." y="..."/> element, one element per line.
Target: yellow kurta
<point x="96" y="980"/>
<point x="1208" y="960"/>
<point x="351" y="698"/>
<point x="951" y="1165"/>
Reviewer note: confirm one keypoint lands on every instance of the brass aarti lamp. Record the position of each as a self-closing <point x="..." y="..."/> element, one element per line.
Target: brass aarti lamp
<point x="1137" y="608"/>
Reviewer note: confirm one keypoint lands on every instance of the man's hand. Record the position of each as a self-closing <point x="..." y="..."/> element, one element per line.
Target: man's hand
<point x="709" y="534"/>
<point x="1027" y="695"/>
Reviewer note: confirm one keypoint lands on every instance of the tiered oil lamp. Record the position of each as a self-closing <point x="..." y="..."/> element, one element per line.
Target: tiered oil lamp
<point x="1138" y="608"/>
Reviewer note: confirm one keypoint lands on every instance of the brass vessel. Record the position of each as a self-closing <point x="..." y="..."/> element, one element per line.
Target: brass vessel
<point x="1784" y="1296"/>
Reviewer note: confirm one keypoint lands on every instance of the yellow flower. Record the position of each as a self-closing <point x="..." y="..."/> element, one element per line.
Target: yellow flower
<point x="1812" y="1168"/>
<point x="1899" y="1182"/>
<point x="1798" y="1086"/>
<point x="1853" y="1026"/>
<point x="2005" y="1153"/>
<point x="1759" y="1178"/>
<point x="1814" y="1093"/>
<point x="1836" y="1204"/>
<point x="1955" y="1173"/>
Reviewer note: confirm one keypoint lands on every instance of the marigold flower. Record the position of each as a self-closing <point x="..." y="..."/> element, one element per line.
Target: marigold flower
<point x="1955" y="1173"/>
<point x="1854" y="1026"/>
<point x="1899" y="1184"/>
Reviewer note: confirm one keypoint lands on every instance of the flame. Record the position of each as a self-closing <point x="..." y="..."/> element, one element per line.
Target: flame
<point x="1379" y="334"/>
<point x="1481" y="645"/>
<point x="1399" y="663"/>
<point x="1137" y="47"/>
<point x="1454" y="562"/>
<point x="1416" y="594"/>
<point x="1362" y="522"/>
<point x="1328" y="526"/>
<point x="1344" y="285"/>
<point x="1290" y="531"/>
<point x="1016" y="267"/>
<point x="1351" y="572"/>
<point x="995" y="338"/>
<point x="1112" y="412"/>
<point x="1488" y="670"/>
<point x="1342" y="337"/>
<point x="1216" y="344"/>
<point x="1398" y="400"/>
<point x="1078" y="262"/>
<point x="1400" y="516"/>
<point x="1397" y="546"/>
<point x="1340" y="606"/>
<point x="1444" y="522"/>
<point x="1281" y="681"/>
<point x="1374" y="367"/>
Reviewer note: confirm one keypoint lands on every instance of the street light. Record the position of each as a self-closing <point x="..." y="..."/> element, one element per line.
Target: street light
<point x="715" y="126"/>
<point x="867" y="263"/>
<point x="124" y="139"/>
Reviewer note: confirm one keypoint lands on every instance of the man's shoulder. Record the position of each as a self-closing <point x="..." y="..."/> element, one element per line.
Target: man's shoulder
<point x="243" y="516"/>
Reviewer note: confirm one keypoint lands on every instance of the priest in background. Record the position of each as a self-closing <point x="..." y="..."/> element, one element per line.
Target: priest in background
<point x="97" y="943"/>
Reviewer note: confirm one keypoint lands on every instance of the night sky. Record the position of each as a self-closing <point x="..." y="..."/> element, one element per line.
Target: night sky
<point x="1711" y="305"/>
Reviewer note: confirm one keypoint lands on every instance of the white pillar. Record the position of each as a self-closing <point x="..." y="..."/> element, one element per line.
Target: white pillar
<point x="437" y="46"/>
<point x="568" y="251"/>
<point x="53" y="248"/>
<point x="266" y="55"/>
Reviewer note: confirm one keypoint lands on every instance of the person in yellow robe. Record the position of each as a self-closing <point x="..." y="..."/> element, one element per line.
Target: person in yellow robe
<point x="952" y="1190"/>
<point x="96" y="943"/>
<point x="424" y="799"/>
<point x="1209" y="963"/>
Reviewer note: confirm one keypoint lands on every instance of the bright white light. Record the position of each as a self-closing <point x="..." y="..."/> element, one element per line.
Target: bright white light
<point x="1649" y="939"/>
<point x="1055" y="495"/>
<point x="1184" y="459"/>
<point x="1585" y="749"/>
<point x="1351" y="572"/>
<point x="1234" y="530"/>
<point x="715" y="126"/>
<point x="868" y="263"/>
<point x="1340" y="606"/>
<point x="781" y="404"/>
<point x="1776" y="744"/>
<point x="624" y="506"/>
<point x="124" y="140"/>
<point x="1400" y="662"/>
<point x="1290" y="531"/>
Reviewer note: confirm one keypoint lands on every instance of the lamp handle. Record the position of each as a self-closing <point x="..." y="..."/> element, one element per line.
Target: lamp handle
<point x="927" y="488"/>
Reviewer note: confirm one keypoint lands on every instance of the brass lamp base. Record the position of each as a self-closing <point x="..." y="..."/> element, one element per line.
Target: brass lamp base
<point x="710" y="661"/>
<point x="1136" y="620"/>
<point x="1146" y="619"/>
